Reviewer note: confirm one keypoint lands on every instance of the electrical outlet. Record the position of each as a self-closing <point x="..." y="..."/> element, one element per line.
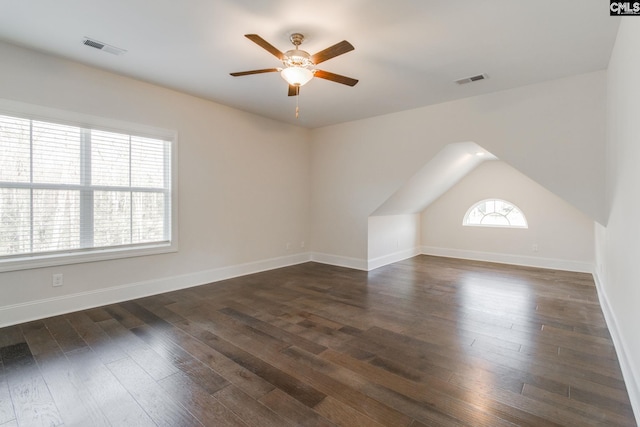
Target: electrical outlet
<point x="56" y="280"/>
<point x="534" y="247"/>
<point x="288" y="246"/>
<point x="302" y="244"/>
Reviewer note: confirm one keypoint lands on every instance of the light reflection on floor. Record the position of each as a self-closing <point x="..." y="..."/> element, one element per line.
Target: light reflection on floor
<point x="483" y="305"/>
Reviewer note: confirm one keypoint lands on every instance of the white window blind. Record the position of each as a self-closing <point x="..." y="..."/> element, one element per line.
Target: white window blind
<point x="67" y="189"/>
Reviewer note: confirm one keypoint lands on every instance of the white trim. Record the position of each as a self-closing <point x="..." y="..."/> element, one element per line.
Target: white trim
<point x="81" y="256"/>
<point x="39" y="309"/>
<point x="73" y="118"/>
<point x="378" y="262"/>
<point x="631" y="377"/>
<point x="527" y="261"/>
<point x="85" y="121"/>
<point x="340" y="261"/>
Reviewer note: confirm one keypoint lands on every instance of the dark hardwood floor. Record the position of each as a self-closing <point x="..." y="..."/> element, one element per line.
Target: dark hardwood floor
<point x="424" y="342"/>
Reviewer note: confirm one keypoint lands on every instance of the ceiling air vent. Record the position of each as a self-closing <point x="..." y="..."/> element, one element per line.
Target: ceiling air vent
<point x="102" y="46"/>
<point x="472" y="79"/>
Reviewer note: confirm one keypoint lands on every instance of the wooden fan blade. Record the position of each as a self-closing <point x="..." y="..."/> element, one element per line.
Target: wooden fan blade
<point x="331" y="52"/>
<point x="335" y="78"/>
<point x="265" y="45"/>
<point x="294" y="90"/>
<point x="247" y="73"/>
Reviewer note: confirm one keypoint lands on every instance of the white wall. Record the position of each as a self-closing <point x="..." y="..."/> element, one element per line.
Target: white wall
<point x="618" y="245"/>
<point x="563" y="234"/>
<point x="553" y="132"/>
<point x="392" y="238"/>
<point x="243" y="186"/>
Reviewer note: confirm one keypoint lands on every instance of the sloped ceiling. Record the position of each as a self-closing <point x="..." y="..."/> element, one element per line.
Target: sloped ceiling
<point x="441" y="173"/>
<point x="407" y="53"/>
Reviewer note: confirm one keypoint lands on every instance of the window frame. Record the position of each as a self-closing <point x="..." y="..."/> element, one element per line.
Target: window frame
<point x="77" y="256"/>
<point x="465" y="218"/>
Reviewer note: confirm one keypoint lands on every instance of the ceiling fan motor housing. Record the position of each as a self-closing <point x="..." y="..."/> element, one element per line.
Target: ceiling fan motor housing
<point x="297" y="58"/>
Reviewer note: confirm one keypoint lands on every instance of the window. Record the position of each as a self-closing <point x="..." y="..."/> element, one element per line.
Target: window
<point x="495" y="213"/>
<point x="69" y="191"/>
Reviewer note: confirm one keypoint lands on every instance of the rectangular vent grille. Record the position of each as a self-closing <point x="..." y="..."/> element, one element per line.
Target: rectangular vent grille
<point x="91" y="43"/>
<point x="102" y="46"/>
<point x="472" y="79"/>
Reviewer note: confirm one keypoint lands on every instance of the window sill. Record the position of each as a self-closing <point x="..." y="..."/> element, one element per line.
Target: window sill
<point x="521" y="227"/>
<point x="51" y="260"/>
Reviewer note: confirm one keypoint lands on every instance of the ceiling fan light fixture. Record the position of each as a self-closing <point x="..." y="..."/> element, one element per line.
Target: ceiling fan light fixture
<point x="296" y="76"/>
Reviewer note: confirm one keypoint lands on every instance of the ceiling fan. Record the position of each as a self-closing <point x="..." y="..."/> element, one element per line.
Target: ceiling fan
<point x="298" y="64"/>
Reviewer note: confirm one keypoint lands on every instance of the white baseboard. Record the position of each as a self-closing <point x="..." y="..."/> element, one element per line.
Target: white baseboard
<point x="527" y="261"/>
<point x="340" y="261"/>
<point x="391" y="258"/>
<point x="629" y="371"/>
<point x="39" y="309"/>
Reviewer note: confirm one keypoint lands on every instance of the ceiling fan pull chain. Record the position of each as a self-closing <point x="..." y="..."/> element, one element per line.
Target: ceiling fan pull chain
<point x="297" y="97"/>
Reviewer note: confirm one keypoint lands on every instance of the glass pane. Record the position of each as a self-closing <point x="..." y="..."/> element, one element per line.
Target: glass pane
<point x="148" y="217"/>
<point x="483" y="208"/>
<point x="15" y="150"/>
<point x="503" y="208"/>
<point x="516" y="219"/>
<point x="56" y="153"/>
<point x="56" y="220"/>
<point x="147" y="162"/>
<point x="112" y="218"/>
<point x="494" y="219"/>
<point x="475" y="216"/>
<point x="15" y="221"/>
<point x="109" y="158"/>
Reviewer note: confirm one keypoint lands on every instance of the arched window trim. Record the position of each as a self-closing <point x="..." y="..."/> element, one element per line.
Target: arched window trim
<point x="465" y="219"/>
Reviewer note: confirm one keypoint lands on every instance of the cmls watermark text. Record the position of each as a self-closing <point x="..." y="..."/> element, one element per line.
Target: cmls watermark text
<point x="624" y="8"/>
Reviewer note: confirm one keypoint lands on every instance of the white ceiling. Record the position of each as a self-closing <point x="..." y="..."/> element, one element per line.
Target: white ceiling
<point x="408" y="53"/>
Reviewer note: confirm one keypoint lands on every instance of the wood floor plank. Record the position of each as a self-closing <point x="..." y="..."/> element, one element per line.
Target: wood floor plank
<point x="199" y="401"/>
<point x="242" y="378"/>
<point x="251" y="411"/>
<point x="197" y="371"/>
<point x="600" y="415"/>
<point x="344" y="415"/>
<point x="287" y="383"/>
<point x="309" y="369"/>
<point x="123" y="316"/>
<point x="431" y="395"/>
<point x="572" y="376"/>
<point x="95" y="336"/>
<point x="275" y="332"/>
<point x="156" y="402"/>
<point x="291" y="409"/>
<point x="364" y="395"/>
<point x="120" y="407"/>
<point x="7" y="413"/>
<point x="32" y="401"/>
<point x="138" y="350"/>
<point x="65" y="335"/>
<point x="74" y="404"/>
<point x="11" y="335"/>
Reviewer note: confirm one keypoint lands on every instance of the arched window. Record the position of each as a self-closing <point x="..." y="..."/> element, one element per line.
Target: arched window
<point x="495" y="213"/>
